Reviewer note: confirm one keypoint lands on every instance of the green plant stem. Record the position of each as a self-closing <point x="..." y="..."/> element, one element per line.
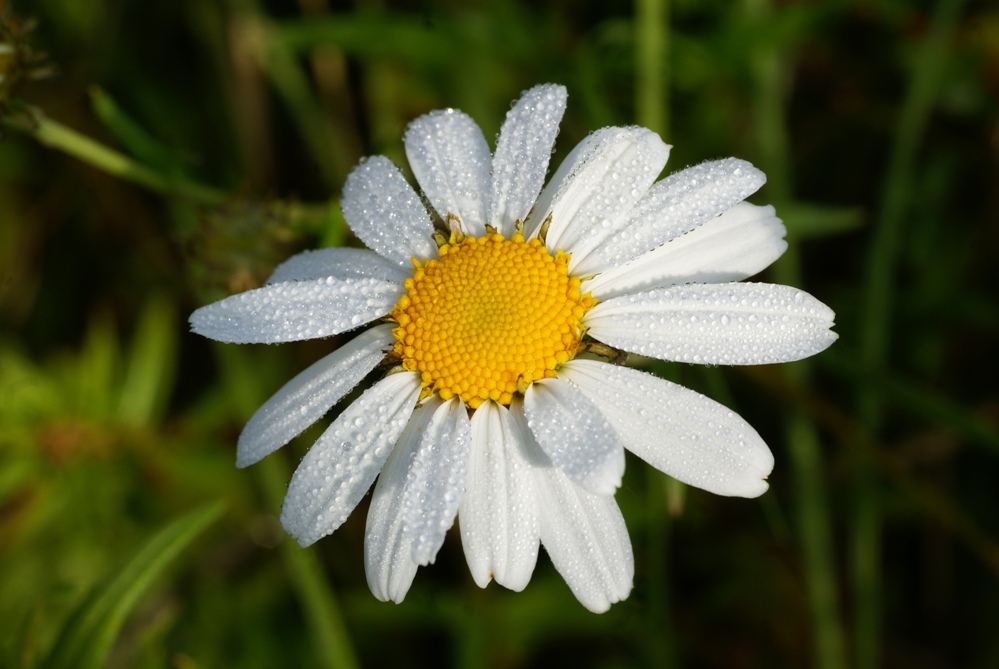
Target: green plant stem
<point x="652" y="65"/>
<point x="652" y="108"/>
<point x="55" y="135"/>
<point x="322" y="610"/>
<point x="882" y="263"/>
<point x="770" y="67"/>
<point x="48" y="132"/>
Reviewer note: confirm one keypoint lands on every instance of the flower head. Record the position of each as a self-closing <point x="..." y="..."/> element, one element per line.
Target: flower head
<point x="485" y="306"/>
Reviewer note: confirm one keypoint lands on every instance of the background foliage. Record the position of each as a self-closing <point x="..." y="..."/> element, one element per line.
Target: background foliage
<point x="159" y="155"/>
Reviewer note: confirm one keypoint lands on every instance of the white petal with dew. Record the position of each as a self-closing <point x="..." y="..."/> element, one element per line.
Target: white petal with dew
<point x="340" y="263"/>
<point x="715" y="324"/>
<point x="436" y="480"/>
<point x="451" y="162"/>
<point x="523" y="152"/>
<point x="296" y="310"/>
<point x="572" y="432"/>
<point x="591" y="192"/>
<point x="385" y="213"/>
<point x="388" y="551"/>
<point x="586" y="538"/>
<point x="680" y="432"/>
<point x="498" y="514"/>
<point x="594" y="207"/>
<point x="734" y="246"/>
<point x="303" y="400"/>
<point x="679" y="203"/>
<point x="340" y="467"/>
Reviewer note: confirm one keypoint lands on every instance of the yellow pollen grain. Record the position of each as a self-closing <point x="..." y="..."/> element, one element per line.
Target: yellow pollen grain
<point x="488" y="318"/>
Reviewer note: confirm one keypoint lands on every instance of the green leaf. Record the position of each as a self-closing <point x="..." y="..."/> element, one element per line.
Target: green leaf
<point x="86" y="638"/>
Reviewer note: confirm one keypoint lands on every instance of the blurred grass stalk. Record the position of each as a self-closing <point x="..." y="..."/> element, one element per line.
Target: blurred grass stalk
<point x="663" y="494"/>
<point x="770" y="68"/>
<point x="880" y="273"/>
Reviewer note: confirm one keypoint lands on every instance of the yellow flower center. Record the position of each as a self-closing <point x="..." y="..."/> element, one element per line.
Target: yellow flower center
<point x="488" y="318"/>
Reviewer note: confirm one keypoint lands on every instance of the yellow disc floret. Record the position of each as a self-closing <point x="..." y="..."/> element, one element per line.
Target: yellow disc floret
<point x="488" y="318"/>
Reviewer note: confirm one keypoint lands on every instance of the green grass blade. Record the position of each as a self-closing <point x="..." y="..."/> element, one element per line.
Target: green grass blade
<point x="87" y="636"/>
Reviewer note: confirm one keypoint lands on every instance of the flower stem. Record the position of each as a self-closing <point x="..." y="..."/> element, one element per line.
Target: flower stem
<point x="652" y="65"/>
<point x="34" y="122"/>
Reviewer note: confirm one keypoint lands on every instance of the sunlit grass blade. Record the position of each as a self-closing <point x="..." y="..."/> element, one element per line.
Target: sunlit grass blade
<point x="87" y="637"/>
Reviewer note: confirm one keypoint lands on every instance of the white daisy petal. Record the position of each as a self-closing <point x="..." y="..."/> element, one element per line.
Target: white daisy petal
<point x="296" y="310"/>
<point x="498" y="513"/>
<point x="523" y="152"/>
<point x="624" y="172"/>
<point x="572" y="432"/>
<point x="716" y="324"/>
<point x="385" y="213"/>
<point x="676" y="430"/>
<point x="436" y="480"/>
<point x="303" y="400"/>
<point x="388" y="551"/>
<point x="340" y="467"/>
<point x="734" y="246"/>
<point x="340" y="263"/>
<point x="451" y="162"/>
<point x="589" y="196"/>
<point x="679" y="203"/>
<point x="586" y="539"/>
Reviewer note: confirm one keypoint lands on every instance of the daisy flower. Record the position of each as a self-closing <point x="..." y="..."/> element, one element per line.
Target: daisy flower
<point x="501" y="314"/>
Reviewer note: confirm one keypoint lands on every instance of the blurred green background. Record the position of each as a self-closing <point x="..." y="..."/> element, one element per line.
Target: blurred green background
<point x="156" y="156"/>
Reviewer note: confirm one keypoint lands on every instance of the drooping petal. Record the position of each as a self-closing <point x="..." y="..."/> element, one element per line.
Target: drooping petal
<point x="676" y="430"/>
<point x="679" y="203"/>
<point x="303" y="400"/>
<point x="388" y="551"/>
<point x="523" y="152"/>
<point x="340" y="467"/>
<point x="591" y="192"/>
<point x="731" y="247"/>
<point x="296" y="310"/>
<point x="586" y="539"/>
<point x="385" y="213"/>
<point x="436" y="480"/>
<point x="498" y="513"/>
<point x="451" y="162"/>
<point x="572" y="432"/>
<point x="716" y="324"/>
<point x="340" y="263"/>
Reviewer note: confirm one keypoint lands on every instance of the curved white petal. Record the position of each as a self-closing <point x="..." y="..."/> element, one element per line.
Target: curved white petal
<point x="734" y="246"/>
<point x="340" y="467"/>
<point x="586" y="538"/>
<point x="436" y="480"/>
<point x="388" y="551"/>
<point x="572" y="432"/>
<point x="523" y="151"/>
<point x="303" y="400"/>
<point x="716" y="324"/>
<point x="680" y="432"/>
<point x="622" y="173"/>
<point x="340" y="263"/>
<point x="296" y="310"/>
<point x="385" y="213"/>
<point x="451" y="162"/>
<point x="679" y="203"/>
<point x="498" y="516"/>
<point x="590" y="195"/>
